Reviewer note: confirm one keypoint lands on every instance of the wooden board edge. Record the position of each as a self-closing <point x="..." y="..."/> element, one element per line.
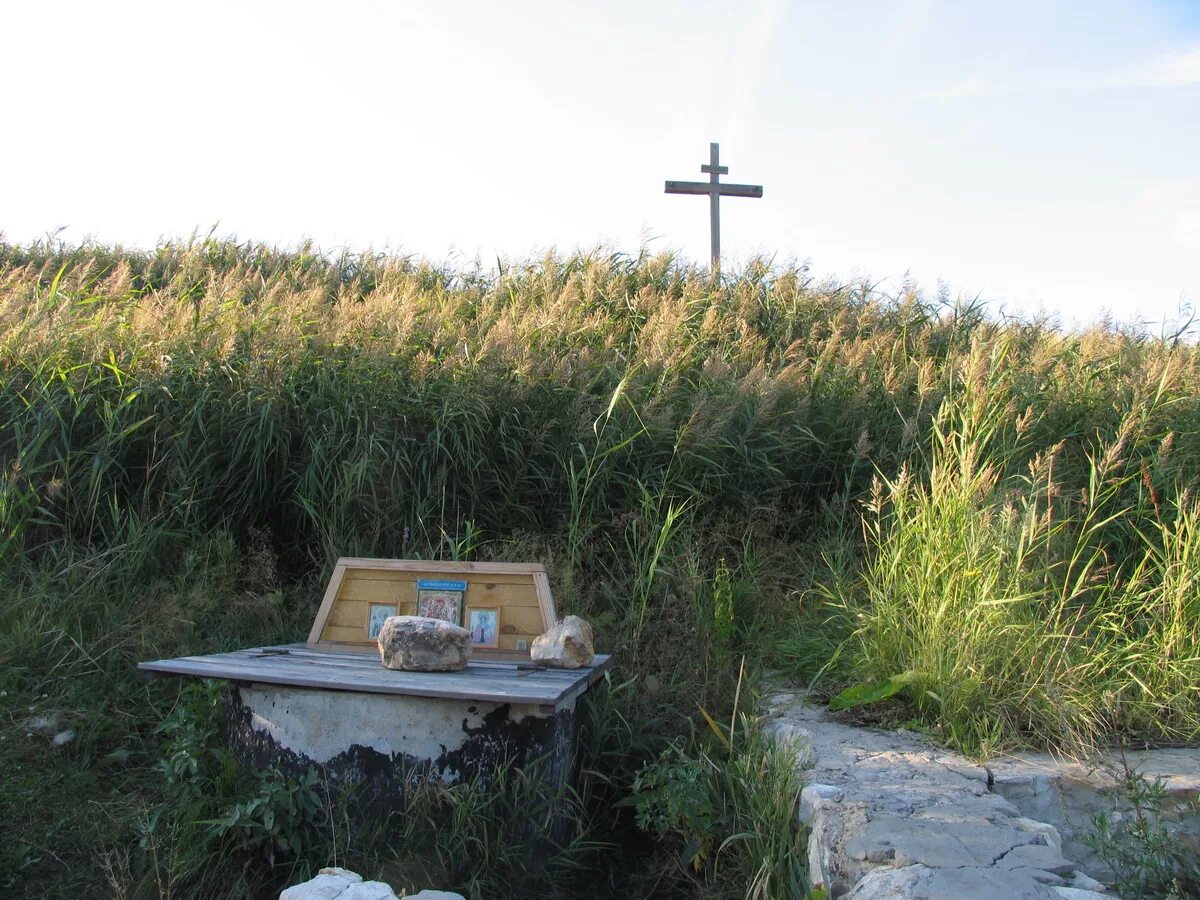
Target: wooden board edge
<point x="435" y="565"/>
<point x="199" y="668"/>
<point x="541" y="583"/>
<point x="331" y="592"/>
<point x="344" y="647"/>
<point x="583" y="685"/>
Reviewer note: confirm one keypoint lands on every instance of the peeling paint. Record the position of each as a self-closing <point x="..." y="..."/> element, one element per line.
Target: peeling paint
<point x="378" y="744"/>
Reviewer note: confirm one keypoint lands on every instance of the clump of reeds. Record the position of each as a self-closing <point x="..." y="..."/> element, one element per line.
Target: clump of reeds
<point x="1017" y="611"/>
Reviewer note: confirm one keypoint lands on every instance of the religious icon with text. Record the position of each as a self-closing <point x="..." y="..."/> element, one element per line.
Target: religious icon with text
<point x="440" y="604"/>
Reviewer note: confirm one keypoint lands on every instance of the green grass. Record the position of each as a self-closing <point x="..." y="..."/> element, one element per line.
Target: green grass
<point x="1018" y="611"/>
<point x="844" y="485"/>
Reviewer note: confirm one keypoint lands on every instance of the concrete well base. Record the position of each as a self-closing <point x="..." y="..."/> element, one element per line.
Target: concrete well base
<point x="379" y="744"/>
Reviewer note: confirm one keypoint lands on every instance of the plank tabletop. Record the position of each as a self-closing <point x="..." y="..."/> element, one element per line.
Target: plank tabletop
<point x="301" y="666"/>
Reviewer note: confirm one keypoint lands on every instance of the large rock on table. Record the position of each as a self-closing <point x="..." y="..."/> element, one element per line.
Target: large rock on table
<point x="568" y="645"/>
<point x="420" y="644"/>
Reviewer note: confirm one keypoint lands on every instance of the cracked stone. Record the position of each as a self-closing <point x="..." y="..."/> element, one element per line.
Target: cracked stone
<point x="923" y="883"/>
<point x="892" y="818"/>
<point x="1086" y="882"/>
<point x="909" y="841"/>
<point x="1036" y="856"/>
<point x="813" y="797"/>
<point x="1041" y="876"/>
<point x="959" y="766"/>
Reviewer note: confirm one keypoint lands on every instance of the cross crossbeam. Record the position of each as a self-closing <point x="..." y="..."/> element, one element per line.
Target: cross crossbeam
<point x="715" y="189"/>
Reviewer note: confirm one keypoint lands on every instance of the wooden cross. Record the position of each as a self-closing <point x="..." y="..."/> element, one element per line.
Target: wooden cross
<point x="714" y="189"/>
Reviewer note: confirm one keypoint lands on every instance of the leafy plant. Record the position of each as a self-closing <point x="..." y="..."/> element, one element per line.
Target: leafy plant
<point x="1149" y="859"/>
<point x="279" y="816"/>
<point x="195" y="747"/>
<point x="872" y="692"/>
<point x="673" y="795"/>
<point x="730" y="807"/>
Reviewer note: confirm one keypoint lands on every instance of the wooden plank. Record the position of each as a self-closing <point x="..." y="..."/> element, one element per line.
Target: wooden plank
<point x="545" y="599"/>
<point x="331" y="591"/>
<point x="302" y="667"/>
<point x="523" y="620"/>
<point x="438" y="566"/>
<point x="287" y="653"/>
<point x="351" y="613"/>
<point x="363" y="665"/>
<point x="741" y="190"/>
<point x="689" y="187"/>
<point x="427" y="686"/>
<point x="706" y="187"/>
<point x="346" y="634"/>
<point x="388" y="590"/>
<point x="411" y="578"/>
<point x="522" y="595"/>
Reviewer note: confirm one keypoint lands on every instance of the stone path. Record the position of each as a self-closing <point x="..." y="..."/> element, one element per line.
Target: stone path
<point x="890" y="817"/>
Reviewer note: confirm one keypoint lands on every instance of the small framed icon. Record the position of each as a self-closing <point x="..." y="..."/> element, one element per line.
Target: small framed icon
<point x="483" y="624"/>
<point x="377" y="614"/>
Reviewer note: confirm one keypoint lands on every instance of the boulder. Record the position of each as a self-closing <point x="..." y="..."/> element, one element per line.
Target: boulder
<point x="420" y="644"/>
<point x="568" y="645"/>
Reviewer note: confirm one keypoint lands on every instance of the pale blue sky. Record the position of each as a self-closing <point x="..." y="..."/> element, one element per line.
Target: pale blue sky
<point x="1037" y="154"/>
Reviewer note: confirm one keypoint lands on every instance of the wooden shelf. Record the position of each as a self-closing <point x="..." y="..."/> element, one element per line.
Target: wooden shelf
<point x="493" y="679"/>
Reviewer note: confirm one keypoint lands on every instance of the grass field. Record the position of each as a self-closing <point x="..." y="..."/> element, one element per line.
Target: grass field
<point x="994" y="522"/>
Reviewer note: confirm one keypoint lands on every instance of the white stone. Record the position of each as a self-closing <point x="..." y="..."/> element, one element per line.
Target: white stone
<point x="889" y="816"/>
<point x="323" y="887"/>
<point x="353" y="877"/>
<point x="436" y="895"/>
<point x="1036" y="856"/>
<point x="368" y="890"/>
<point x="960" y="766"/>
<point x="335" y="883"/>
<point x="1068" y="793"/>
<point x="1070" y="893"/>
<point x="422" y="644"/>
<point x="920" y="882"/>
<point x="794" y="739"/>
<point x="813" y="797"/>
<point x="568" y="645"/>
<point x="1048" y="833"/>
<point x="1086" y="883"/>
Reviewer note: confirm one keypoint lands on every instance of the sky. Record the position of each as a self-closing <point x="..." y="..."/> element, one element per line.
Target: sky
<point x="1039" y="156"/>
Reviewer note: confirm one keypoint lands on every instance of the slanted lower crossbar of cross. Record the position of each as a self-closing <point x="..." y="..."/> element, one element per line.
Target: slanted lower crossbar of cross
<point x="715" y="190"/>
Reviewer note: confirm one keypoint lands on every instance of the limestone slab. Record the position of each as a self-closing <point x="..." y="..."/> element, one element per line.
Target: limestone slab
<point x="889" y="816"/>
